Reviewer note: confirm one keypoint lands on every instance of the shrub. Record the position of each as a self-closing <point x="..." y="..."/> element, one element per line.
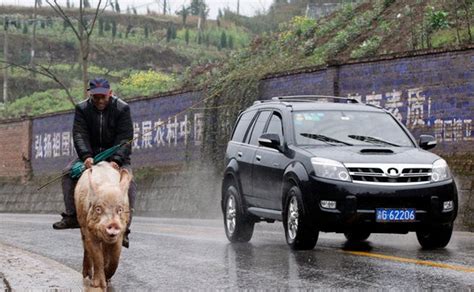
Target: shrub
<point x="145" y="83"/>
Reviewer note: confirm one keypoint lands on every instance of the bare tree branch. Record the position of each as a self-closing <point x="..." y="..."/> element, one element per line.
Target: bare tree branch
<point x="57" y="8"/>
<point x="96" y="14"/>
<point x="44" y="71"/>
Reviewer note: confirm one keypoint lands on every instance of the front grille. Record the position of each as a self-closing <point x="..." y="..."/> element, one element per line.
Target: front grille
<point x="386" y="174"/>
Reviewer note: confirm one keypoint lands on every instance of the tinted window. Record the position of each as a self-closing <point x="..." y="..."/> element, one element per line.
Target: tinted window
<point x="350" y="127"/>
<point x="275" y="126"/>
<point x="242" y="126"/>
<point x="258" y="127"/>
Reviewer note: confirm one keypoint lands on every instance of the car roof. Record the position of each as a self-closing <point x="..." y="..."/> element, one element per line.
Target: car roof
<point x="301" y="105"/>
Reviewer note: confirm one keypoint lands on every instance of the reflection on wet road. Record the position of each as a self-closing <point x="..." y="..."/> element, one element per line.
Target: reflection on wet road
<point x="184" y="254"/>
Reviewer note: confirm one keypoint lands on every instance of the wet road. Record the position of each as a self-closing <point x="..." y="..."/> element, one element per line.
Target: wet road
<point x="195" y="254"/>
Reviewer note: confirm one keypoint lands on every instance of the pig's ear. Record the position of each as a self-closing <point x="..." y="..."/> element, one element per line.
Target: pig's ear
<point x="125" y="178"/>
<point x="92" y="184"/>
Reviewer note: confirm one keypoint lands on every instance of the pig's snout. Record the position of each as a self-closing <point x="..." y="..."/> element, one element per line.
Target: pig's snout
<point x="113" y="229"/>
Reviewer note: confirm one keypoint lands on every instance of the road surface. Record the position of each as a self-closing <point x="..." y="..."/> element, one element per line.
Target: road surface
<point x="195" y="254"/>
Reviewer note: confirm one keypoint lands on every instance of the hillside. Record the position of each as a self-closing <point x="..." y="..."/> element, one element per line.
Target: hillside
<point x="359" y="29"/>
<point x="124" y="48"/>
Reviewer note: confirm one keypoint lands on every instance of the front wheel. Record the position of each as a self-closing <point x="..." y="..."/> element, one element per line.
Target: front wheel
<point x="238" y="226"/>
<point x="435" y="236"/>
<point x="300" y="232"/>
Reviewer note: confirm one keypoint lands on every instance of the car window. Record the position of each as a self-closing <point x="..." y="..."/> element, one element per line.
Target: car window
<point x="275" y="126"/>
<point x="242" y="126"/>
<point x="258" y="127"/>
<point x="348" y="128"/>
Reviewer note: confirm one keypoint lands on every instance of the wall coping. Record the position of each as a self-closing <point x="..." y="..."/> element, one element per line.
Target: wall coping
<point x="133" y="99"/>
<point x="385" y="57"/>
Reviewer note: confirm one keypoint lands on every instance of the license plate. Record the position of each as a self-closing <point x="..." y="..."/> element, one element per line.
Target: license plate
<point x="395" y="215"/>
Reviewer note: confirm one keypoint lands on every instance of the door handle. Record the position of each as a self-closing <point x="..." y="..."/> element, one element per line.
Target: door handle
<point x="258" y="157"/>
<point x="239" y="154"/>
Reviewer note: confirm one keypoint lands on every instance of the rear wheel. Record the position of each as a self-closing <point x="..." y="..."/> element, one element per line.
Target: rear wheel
<point x="238" y="226"/>
<point x="356" y="235"/>
<point x="435" y="236"/>
<point x="300" y="232"/>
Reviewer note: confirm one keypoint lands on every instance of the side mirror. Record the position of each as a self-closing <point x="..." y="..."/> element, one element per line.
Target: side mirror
<point x="270" y="140"/>
<point x="427" y="142"/>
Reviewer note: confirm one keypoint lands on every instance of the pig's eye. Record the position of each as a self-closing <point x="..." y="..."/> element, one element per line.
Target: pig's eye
<point x="120" y="210"/>
<point x="98" y="210"/>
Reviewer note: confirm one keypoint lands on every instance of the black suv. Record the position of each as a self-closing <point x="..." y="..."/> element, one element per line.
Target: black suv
<point x="334" y="166"/>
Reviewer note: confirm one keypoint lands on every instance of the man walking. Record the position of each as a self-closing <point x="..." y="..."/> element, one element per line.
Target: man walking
<point x="100" y="122"/>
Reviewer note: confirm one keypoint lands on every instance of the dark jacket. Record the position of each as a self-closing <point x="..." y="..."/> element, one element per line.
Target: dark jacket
<point x="94" y="131"/>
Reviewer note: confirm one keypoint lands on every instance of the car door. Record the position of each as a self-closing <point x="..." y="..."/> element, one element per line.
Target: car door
<point x="247" y="157"/>
<point x="268" y="168"/>
<point x="237" y="149"/>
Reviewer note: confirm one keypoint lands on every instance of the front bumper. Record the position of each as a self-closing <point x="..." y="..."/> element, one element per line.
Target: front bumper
<point x="356" y="204"/>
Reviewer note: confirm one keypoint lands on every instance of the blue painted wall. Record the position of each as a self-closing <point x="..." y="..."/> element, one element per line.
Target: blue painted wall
<point x="178" y="138"/>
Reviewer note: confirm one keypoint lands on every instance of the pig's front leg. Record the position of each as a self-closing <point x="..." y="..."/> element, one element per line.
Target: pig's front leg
<point x="86" y="263"/>
<point x="94" y="250"/>
<point x="112" y="252"/>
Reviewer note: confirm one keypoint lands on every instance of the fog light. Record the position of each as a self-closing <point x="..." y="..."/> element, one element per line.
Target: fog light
<point x="328" y="204"/>
<point x="448" y="206"/>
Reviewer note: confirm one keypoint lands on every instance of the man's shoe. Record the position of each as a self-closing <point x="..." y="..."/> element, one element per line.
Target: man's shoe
<point x="125" y="241"/>
<point x="67" y="222"/>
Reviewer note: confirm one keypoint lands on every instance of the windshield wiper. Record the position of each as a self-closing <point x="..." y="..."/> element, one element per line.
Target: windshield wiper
<point x="372" y="140"/>
<point x="323" y="138"/>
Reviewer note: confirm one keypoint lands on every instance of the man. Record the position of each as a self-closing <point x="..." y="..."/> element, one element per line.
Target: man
<point x="100" y="122"/>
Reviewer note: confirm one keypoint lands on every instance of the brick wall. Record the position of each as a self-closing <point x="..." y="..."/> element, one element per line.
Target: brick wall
<point x="14" y="149"/>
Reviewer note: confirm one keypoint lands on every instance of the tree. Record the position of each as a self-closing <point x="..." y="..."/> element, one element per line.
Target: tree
<point x="146" y="31"/>
<point x="68" y="4"/>
<point x="87" y="4"/>
<point x="107" y="25"/>
<point x="114" y="29"/>
<point x="223" y="44"/>
<point x="186" y="36"/>
<point x="197" y="6"/>
<point x="82" y="30"/>
<point x="230" y="42"/>
<point x="25" y="28"/>
<point x="101" y="27"/>
<point x="117" y="6"/>
<point x="184" y="12"/>
<point x="134" y="10"/>
<point x="168" y="34"/>
<point x="129" y="29"/>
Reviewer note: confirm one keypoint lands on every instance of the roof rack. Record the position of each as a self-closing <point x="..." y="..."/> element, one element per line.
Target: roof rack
<point x="306" y="98"/>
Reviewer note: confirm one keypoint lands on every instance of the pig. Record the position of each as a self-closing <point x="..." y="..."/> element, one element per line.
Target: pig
<point x="103" y="213"/>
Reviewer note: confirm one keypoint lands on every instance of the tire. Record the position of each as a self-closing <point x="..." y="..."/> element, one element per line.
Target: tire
<point x="238" y="226"/>
<point x="356" y="235"/>
<point x="300" y="232"/>
<point x="435" y="236"/>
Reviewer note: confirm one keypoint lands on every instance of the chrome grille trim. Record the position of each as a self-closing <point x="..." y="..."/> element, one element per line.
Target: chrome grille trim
<point x="389" y="174"/>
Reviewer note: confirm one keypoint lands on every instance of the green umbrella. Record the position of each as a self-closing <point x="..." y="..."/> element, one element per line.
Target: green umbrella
<point x="79" y="167"/>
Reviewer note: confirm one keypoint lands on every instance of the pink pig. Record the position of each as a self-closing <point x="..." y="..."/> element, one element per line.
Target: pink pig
<point x="103" y="212"/>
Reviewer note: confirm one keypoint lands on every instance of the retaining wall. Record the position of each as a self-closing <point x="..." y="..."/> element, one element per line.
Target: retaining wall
<point x="430" y="92"/>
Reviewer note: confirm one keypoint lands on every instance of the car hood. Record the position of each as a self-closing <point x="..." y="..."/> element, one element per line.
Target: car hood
<point x="364" y="154"/>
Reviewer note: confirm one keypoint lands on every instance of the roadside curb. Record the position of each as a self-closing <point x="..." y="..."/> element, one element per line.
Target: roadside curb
<point x="23" y="270"/>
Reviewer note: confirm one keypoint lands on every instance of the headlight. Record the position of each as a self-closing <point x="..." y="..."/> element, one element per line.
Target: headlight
<point x="440" y="171"/>
<point x="328" y="168"/>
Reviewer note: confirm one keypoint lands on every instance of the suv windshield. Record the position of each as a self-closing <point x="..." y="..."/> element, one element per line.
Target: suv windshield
<point x="331" y="127"/>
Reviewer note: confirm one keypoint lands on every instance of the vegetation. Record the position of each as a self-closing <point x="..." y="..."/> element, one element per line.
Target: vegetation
<point x="144" y="55"/>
